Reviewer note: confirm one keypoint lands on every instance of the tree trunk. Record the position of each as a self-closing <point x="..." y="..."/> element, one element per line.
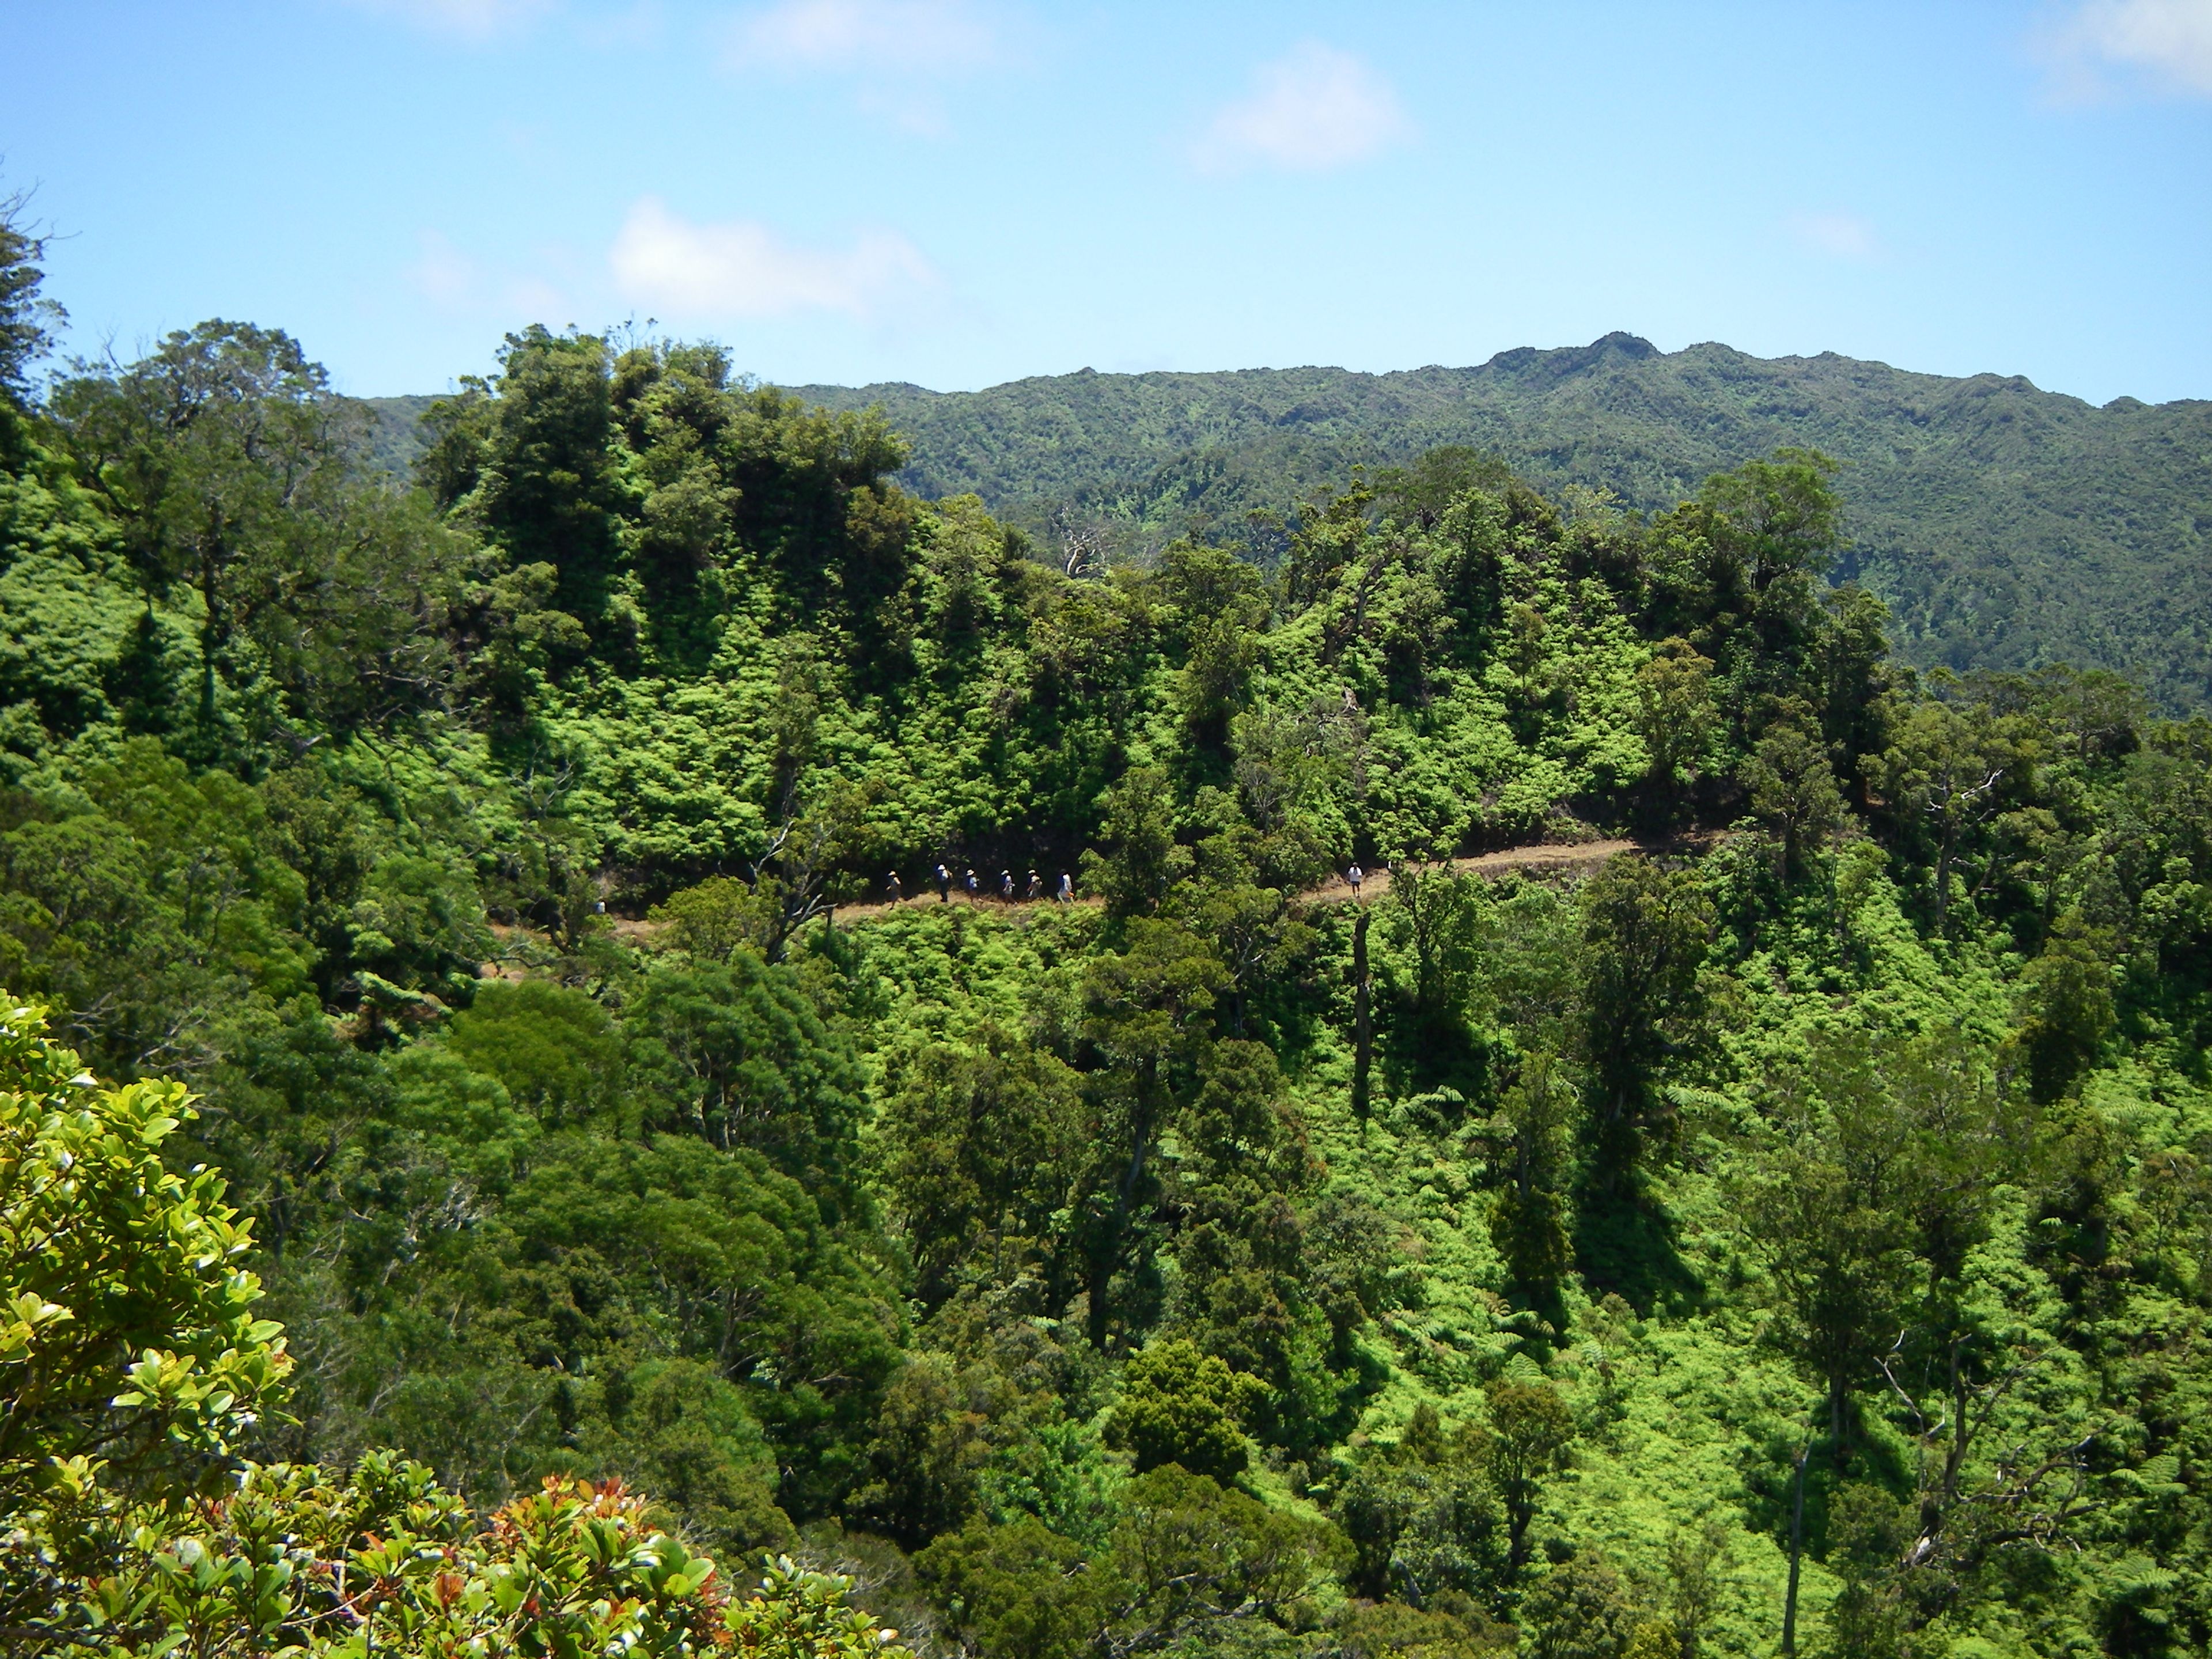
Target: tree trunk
<point x="1143" y="1117"/>
<point x="1943" y="848"/>
<point x="1796" y="1554"/>
<point x="1362" y="1018"/>
<point x="211" y="632"/>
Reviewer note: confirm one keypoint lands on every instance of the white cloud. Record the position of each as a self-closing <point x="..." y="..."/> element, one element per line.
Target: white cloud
<point x="468" y="20"/>
<point x="443" y="275"/>
<point x="1314" y="107"/>
<point x="865" y="37"/>
<point x="742" y="269"/>
<point x="456" y="283"/>
<point x="1839" y="235"/>
<point x="2168" y="42"/>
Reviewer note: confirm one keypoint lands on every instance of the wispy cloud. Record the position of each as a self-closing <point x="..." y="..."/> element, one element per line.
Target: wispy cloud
<point x="740" y="268"/>
<point x="1314" y="107"/>
<point x="900" y="53"/>
<point x="868" y="38"/>
<point x="456" y="284"/>
<point x="443" y="275"/>
<point x="2102" y="46"/>
<point x="1837" y="235"/>
<point x="465" y="20"/>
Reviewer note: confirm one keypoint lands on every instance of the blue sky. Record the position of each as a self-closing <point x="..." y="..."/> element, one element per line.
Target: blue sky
<point x="959" y="192"/>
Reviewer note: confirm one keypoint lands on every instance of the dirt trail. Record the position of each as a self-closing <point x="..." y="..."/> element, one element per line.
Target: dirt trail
<point x="1559" y="859"/>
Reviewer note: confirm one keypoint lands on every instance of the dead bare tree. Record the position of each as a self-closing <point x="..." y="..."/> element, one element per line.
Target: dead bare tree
<point x="1082" y="544"/>
<point x="2027" y="1492"/>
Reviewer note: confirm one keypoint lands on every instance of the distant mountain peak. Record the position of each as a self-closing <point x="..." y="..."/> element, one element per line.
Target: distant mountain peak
<point x="1557" y="363"/>
<point x="1625" y="344"/>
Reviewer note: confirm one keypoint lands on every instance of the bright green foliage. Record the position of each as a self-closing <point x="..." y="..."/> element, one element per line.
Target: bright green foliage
<point x="131" y="1336"/>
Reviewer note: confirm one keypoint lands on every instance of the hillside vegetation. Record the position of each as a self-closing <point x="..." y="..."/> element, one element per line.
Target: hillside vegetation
<point x="1794" y="1237"/>
<point x="2006" y="527"/>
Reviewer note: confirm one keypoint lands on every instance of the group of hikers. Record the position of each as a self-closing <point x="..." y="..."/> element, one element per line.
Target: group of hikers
<point x="972" y="885"/>
<point x="895" y="890"/>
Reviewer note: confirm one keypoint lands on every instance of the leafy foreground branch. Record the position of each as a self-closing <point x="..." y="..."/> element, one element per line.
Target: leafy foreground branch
<point x="131" y="1366"/>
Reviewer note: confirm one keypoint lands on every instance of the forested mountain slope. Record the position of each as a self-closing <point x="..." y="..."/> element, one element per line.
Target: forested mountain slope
<point x="2005" y="526"/>
<point x="1800" y="1234"/>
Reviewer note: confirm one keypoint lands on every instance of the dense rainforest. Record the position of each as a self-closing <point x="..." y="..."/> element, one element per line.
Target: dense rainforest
<point x="1791" y="1232"/>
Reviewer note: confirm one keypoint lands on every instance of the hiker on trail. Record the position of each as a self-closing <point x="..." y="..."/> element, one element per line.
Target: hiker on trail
<point x="1005" y="887"/>
<point x="1067" y="894"/>
<point x="893" y="888"/>
<point x="971" y="887"/>
<point x="1037" y="887"/>
<point x="943" y="885"/>
<point x="1355" y="876"/>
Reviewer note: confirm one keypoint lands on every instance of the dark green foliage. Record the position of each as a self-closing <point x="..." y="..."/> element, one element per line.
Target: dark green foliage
<point x="1426" y="1520"/>
<point x="229" y="474"/>
<point x="1188" y="1560"/>
<point x="984" y="1152"/>
<point x="1530" y="1428"/>
<point x="551" y="1048"/>
<point x="677" y="1429"/>
<point x="1531" y="1222"/>
<point x="1581" y="1610"/>
<point x="1645" y="930"/>
<point x="738" y="1054"/>
<point x="1180" y="1405"/>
